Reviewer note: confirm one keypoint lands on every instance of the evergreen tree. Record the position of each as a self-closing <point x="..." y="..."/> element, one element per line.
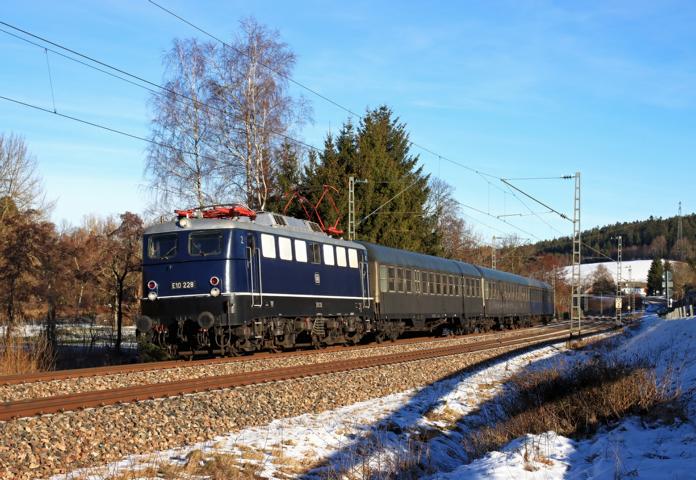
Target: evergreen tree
<point x="287" y="179"/>
<point x="379" y="151"/>
<point x="655" y="274"/>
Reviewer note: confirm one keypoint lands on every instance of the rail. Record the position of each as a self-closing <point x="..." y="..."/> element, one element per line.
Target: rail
<point x="62" y="403"/>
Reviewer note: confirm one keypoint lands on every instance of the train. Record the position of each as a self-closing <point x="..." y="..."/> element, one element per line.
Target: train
<point x="226" y="280"/>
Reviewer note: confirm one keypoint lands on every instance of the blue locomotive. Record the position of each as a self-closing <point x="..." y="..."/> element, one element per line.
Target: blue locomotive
<point x="227" y="280"/>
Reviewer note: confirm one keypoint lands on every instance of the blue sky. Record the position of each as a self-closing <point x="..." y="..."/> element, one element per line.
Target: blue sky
<point x="515" y="88"/>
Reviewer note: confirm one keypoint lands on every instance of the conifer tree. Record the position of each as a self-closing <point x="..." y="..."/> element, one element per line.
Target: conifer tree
<point x="655" y="274"/>
<point x="378" y="150"/>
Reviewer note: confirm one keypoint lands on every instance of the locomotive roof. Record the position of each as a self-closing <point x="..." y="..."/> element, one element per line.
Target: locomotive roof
<point x="501" y="276"/>
<point x="265" y="222"/>
<point x="396" y="256"/>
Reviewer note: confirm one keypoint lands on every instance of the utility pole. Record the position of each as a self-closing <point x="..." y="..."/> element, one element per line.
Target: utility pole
<point x="618" y="301"/>
<point x="494" y="260"/>
<point x="576" y="294"/>
<point x="351" y="205"/>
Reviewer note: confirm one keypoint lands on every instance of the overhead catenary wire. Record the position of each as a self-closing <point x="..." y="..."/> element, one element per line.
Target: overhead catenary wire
<point x="131" y="75"/>
<point x="101" y="126"/>
<point x="483" y="175"/>
<point x="313" y="91"/>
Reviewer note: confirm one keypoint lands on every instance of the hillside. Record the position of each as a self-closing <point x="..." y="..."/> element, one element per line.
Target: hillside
<point x="642" y="239"/>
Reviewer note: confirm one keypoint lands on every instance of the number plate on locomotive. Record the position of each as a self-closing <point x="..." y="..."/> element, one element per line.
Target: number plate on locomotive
<point x="183" y="285"/>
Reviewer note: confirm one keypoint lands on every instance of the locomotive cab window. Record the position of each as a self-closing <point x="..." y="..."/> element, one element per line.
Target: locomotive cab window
<point x="205" y="243"/>
<point x="160" y="247"/>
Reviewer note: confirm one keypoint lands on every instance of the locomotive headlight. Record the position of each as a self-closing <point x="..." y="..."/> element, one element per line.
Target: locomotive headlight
<point x="152" y="296"/>
<point x="214" y="292"/>
<point x="184" y="222"/>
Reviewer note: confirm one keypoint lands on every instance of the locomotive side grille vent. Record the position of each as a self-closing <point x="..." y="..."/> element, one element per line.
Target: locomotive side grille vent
<point x="279" y="220"/>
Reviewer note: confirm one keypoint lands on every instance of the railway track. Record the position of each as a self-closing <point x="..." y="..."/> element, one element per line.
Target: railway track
<point x="56" y="404"/>
<point x="169" y="364"/>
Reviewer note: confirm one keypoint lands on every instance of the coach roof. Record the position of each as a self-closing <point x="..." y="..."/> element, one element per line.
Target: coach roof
<point x="394" y="256"/>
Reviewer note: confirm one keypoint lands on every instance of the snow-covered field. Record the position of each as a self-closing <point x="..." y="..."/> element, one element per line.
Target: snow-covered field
<point x="388" y="436"/>
<point x="637" y="270"/>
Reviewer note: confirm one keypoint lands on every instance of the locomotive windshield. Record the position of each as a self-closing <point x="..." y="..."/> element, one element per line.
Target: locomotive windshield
<point x="205" y="243"/>
<point x="162" y="246"/>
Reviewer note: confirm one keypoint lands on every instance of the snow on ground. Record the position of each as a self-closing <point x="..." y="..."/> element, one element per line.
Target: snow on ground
<point x="631" y="449"/>
<point x="427" y="425"/>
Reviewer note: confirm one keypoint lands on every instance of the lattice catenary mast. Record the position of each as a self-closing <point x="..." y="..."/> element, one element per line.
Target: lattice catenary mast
<point x="619" y="258"/>
<point x="576" y="292"/>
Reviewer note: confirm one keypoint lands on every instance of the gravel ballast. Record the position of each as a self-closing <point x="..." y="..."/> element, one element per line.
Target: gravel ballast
<point x="25" y="391"/>
<point x="38" y="447"/>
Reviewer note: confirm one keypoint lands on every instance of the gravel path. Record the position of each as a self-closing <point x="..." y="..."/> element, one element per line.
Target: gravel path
<point x="68" y="386"/>
<point x="38" y="447"/>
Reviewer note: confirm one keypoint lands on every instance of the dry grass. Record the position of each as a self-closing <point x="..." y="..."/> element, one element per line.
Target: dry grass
<point x="445" y="415"/>
<point x="576" y="401"/>
<point x="18" y="355"/>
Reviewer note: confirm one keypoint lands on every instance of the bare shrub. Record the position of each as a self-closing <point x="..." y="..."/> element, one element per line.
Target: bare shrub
<point x="576" y="401"/>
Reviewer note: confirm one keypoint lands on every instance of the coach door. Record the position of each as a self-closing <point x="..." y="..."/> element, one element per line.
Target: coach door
<point x="254" y="270"/>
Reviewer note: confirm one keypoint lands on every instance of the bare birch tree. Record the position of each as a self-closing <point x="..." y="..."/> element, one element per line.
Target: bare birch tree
<point x="181" y="164"/>
<point x="225" y="111"/>
<point x="21" y="188"/>
<point x="250" y="87"/>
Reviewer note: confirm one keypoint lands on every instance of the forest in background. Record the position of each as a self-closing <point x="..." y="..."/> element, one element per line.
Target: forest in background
<point x="642" y="240"/>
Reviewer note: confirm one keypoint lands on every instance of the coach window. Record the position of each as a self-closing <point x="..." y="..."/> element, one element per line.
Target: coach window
<point x="425" y="288"/>
<point x="416" y="281"/>
<point x="383" y="286"/>
<point x="408" y="273"/>
<point x="161" y="247"/>
<point x="399" y="280"/>
<point x="432" y="283"/>
<point x="284" y="248"/>
<point x="352" y="258"/>
<point x="451" y="285"/>
<point x="328" y="251"/>
<point x="391" y="278"/>
<point x="268" y="246"/>
<point x="301" y="251"/>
